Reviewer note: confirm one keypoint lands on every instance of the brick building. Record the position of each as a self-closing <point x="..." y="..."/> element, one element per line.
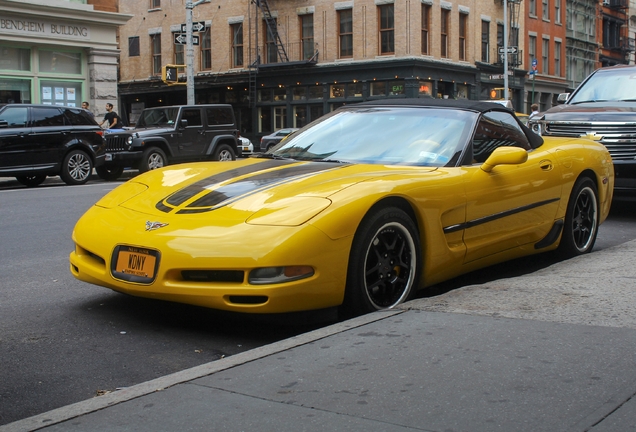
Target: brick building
<point x="283" y="63"/>
<point x="59" y="52"/>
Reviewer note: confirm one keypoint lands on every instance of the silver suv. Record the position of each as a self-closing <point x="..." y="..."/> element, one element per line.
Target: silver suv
<point x="603" y="108"/>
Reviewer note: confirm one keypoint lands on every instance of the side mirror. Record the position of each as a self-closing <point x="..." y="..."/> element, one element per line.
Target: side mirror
<point x="183" y="124"/>
<point x="505" y="156"/>
<point x="563" y="98"/>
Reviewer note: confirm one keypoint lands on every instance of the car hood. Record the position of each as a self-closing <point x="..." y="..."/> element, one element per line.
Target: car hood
<point x="144" y="132"/>
<point x="257" y="191"/>
<point x="593" y="111"/>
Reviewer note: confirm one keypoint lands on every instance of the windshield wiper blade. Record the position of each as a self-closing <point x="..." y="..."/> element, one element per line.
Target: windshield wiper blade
<point x="271" y="156"/>
<point x="588" y="101"/>
<point x="331" y="161"/>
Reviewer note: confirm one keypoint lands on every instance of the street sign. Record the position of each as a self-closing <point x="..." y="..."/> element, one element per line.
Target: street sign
<point x="198" y="26"/>
<point x="534" y="64"/>
<point x="510" y="50"/>
<point x="182" y="39"/>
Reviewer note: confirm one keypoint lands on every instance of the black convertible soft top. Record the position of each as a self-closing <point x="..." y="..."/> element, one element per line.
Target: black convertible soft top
<point x="466" y="104"/>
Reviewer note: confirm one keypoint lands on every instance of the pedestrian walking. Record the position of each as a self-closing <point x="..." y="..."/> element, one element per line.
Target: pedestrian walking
<point x="86" y="106"/>
<point x="111" y="117"/>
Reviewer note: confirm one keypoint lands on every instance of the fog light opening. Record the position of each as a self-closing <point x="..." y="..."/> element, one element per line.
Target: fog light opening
<point x="275" y="275"/>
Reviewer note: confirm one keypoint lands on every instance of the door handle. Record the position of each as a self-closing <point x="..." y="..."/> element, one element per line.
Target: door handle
<point x="546" y="165"/>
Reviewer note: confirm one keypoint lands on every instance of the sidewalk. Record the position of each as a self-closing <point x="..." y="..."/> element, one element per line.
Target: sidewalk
<point x="550" y="351"/>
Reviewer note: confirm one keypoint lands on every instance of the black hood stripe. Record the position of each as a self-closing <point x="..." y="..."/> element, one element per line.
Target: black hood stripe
<point x="185" y="194"/>
<point x="214" y="195"/>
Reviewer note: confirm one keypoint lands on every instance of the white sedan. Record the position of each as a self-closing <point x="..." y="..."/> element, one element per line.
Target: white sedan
<point x="246" y="146"/>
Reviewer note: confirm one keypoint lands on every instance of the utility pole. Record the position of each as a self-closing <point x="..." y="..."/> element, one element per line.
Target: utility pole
<point x="190" y="49"/>
<point x="505" y="41"/>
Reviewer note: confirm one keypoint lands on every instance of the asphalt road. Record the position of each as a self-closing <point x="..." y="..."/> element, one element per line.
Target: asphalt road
<point x="63" y="341"/>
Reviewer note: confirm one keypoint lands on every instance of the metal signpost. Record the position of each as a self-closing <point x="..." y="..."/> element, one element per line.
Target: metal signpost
<point x="534" y="74"/>
<point x="189" y="47"/>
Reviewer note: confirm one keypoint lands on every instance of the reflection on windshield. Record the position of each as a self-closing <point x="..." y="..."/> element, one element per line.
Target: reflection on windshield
<point x="158" y="117"/>
<point x="387" y="135"/>
<point x="607" y="85"/>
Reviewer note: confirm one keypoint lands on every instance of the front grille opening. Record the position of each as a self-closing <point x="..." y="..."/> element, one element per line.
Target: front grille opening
<point x="252" y="300"/>
<point x="232" y="276"/>
<point x="96" y="257"/>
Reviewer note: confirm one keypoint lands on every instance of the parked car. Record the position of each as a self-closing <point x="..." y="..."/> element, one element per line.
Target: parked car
<point x="269" y="141"/>
<point x="603" y="108"/>
<point x="357" y="210"/>
<point x="172" y="134"/>
<point x="37" y="141"/>
<point x="247" y="148"/>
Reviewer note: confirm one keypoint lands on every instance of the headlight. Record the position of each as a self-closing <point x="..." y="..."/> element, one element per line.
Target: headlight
<point x="536" y="128"/>
<point x="275" y="275"/>
<point x="129" y="140"/>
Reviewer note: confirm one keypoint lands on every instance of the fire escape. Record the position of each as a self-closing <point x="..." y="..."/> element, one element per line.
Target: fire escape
<point x="273" y="41"/>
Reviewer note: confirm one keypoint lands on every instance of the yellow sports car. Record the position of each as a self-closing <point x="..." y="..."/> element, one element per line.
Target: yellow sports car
<point x="358" y="209"/>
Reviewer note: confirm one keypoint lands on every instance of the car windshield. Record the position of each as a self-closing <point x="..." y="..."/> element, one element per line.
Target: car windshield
<point x="607" y="85"/>
<point x="158" y="117"/>
<point x="383" y="135"/>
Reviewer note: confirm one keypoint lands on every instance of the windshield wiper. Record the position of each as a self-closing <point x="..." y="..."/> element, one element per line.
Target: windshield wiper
<point x="271" y="156"/>
<point x="588" y="101"/>
<point x="331" y="161"/>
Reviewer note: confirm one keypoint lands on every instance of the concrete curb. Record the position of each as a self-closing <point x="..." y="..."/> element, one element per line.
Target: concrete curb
<point x="91" y="405"/>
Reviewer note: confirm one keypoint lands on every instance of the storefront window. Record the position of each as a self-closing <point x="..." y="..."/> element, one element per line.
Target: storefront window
<point x="66" y="93"/>
<point x="15" y="90"/>
<point x="60" y="62"/>
<point x="280" y="94"/>
<point x="315" y="92"/>
<point x="396" y="88"/>
<point x="300" y="93"/>
<point x="462" y="91"/>
<point x="18" y="59"/>
<point x="354" y="90"/>
<point x="378" y="88"/>
<point x="300" y="116"/>
<point x="336" y="91"/>
<point x="265" y="95"/>
<point x="426" y="88"/>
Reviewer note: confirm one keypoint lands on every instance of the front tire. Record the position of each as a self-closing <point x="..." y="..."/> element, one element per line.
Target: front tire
<point x="32" y="180"/>
<point x="384" y="262"/>
<point x="76" y="168"/>
<point x="152" y="158"/>
<point x="224" y="153"/>
<point x="109" y="174"/>
<point x="581" y="220"/>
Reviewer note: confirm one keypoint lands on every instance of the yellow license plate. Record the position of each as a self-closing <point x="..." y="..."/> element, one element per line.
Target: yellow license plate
<point x="135" y="264"/>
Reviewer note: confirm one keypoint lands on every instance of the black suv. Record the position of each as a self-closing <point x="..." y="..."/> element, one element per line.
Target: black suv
<point x="603" y="108"/>
<point x="172" y="134"/>
<point x="46" y="140"/>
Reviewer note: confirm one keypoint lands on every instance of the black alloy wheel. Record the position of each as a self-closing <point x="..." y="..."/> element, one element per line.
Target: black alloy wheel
<point x="384" y="262"/>
<point x="109" y="174"/>
<point x="224" y="153"/>
<point x="32" y="180"/>
<point x="581" y="219"/>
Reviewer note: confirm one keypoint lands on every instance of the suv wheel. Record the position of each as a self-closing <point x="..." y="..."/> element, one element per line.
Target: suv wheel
<point x="76" y="168"/>
<point x="224" y="153"/>
<point x="31" y="181"/>
<point x="109" y="174"/>
<point x="153" y="158"/>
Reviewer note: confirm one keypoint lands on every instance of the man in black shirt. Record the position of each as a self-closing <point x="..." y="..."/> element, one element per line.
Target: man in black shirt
<point x="114" y="122"/>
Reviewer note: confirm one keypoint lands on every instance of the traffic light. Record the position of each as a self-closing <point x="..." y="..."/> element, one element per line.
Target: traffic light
<point x="497" y="93"/>
<point x="169" y="74"/>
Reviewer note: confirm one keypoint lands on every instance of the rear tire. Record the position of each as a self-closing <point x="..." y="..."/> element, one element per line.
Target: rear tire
<point x="224" y="153"/>
<point x="76" y="168"/>
<point x="581" y="220"/>
<point x="152" y="158"/>
<point x="384" y="262"/>
<point x="31" y="181"/>
<point x="109" y="174"/>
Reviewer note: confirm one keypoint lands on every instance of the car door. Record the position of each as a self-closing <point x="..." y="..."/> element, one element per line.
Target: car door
<point x="192" y="137"/>
<point x="49" y="134"/>
<point x="14" y="137"/>
<point x="512" y="205"/>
